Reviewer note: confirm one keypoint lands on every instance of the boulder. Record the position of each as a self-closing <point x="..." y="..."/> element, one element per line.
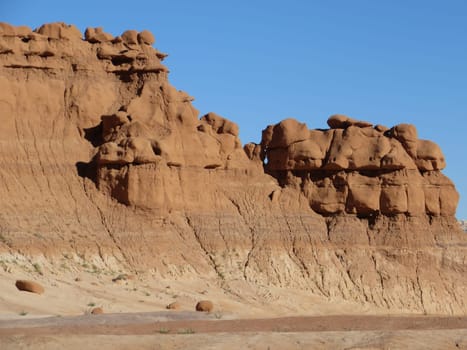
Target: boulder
<point x="174" y="306"/>
<point x="204" y="306"/>
<point x="97" y="311"/>
<point x="285" y="133"/>
<point x="130" y="37"/>
<point x="146" y="37"/>
<point x="29" y="286"/>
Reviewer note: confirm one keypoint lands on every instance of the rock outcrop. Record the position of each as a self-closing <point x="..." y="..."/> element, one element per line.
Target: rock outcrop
<point x="103" y="160"/>
<point x="359" y="169"/>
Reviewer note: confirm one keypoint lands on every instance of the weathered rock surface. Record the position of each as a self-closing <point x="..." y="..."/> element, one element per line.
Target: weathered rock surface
<point x="103" y="159"/>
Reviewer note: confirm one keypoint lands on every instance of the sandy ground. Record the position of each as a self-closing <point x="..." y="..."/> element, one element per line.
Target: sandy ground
<point x="244" y="317"/>
<point x="188" y="330"/>
<point x="76" y="291"/>
<point x="371" y="340"/>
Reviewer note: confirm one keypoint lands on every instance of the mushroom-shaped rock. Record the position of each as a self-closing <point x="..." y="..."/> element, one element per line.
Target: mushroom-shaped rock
<point x="97" y="35"/>
<point x="174" y="306"/>
<point x="146" y="37"/>
<point x="204" y="306"/>
<point x="29" y="286"/>
<point x="130" y="37"/>
<point x="97" y="311"/>
<point x="340" y="121"/>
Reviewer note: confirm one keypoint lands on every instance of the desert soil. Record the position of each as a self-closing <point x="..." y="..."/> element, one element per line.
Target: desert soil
<point x="190" y="330"/>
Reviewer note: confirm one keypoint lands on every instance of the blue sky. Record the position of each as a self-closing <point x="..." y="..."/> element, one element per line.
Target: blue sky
<point x="257" y="62"/>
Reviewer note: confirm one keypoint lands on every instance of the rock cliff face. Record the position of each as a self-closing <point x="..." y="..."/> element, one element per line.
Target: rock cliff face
<point x="103" y="160"/>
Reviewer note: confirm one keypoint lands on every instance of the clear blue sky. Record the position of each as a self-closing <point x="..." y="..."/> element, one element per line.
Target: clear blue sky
<point x="257" y="62"/>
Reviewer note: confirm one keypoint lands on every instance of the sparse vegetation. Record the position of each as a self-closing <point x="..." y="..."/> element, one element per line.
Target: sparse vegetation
<point x="5" y="266"/>
<point x="186" y="331"/>
<point x="164" y="331"/>
<point x="120" y="277"/>
<point x="91" y="304"/>
<point x="23" y="313"/>
<point x="37" y="268"/>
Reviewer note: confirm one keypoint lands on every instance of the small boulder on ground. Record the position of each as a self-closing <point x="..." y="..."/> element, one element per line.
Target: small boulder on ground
<point x="29" y="286"/>
<point x="204" y="306"/>
<point x="97" y="311"/>
<point x="173" y="306"/>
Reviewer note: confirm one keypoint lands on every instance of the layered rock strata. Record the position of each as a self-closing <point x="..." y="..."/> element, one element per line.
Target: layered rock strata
<point x="104" y="161"/>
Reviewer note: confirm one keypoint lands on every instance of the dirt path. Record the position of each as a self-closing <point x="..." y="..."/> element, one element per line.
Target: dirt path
<point x="176" y="323"/>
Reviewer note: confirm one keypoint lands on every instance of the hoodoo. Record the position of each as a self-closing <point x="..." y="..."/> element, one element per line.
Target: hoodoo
<point x="102" y="158"/>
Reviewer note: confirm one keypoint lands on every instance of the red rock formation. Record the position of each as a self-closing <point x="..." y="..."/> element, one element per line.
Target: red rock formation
<point x="357" y="169"/>
<point x="102" y="158"/>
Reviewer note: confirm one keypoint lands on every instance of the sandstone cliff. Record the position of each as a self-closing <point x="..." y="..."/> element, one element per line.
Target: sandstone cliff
<point x="104" y="161"/>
